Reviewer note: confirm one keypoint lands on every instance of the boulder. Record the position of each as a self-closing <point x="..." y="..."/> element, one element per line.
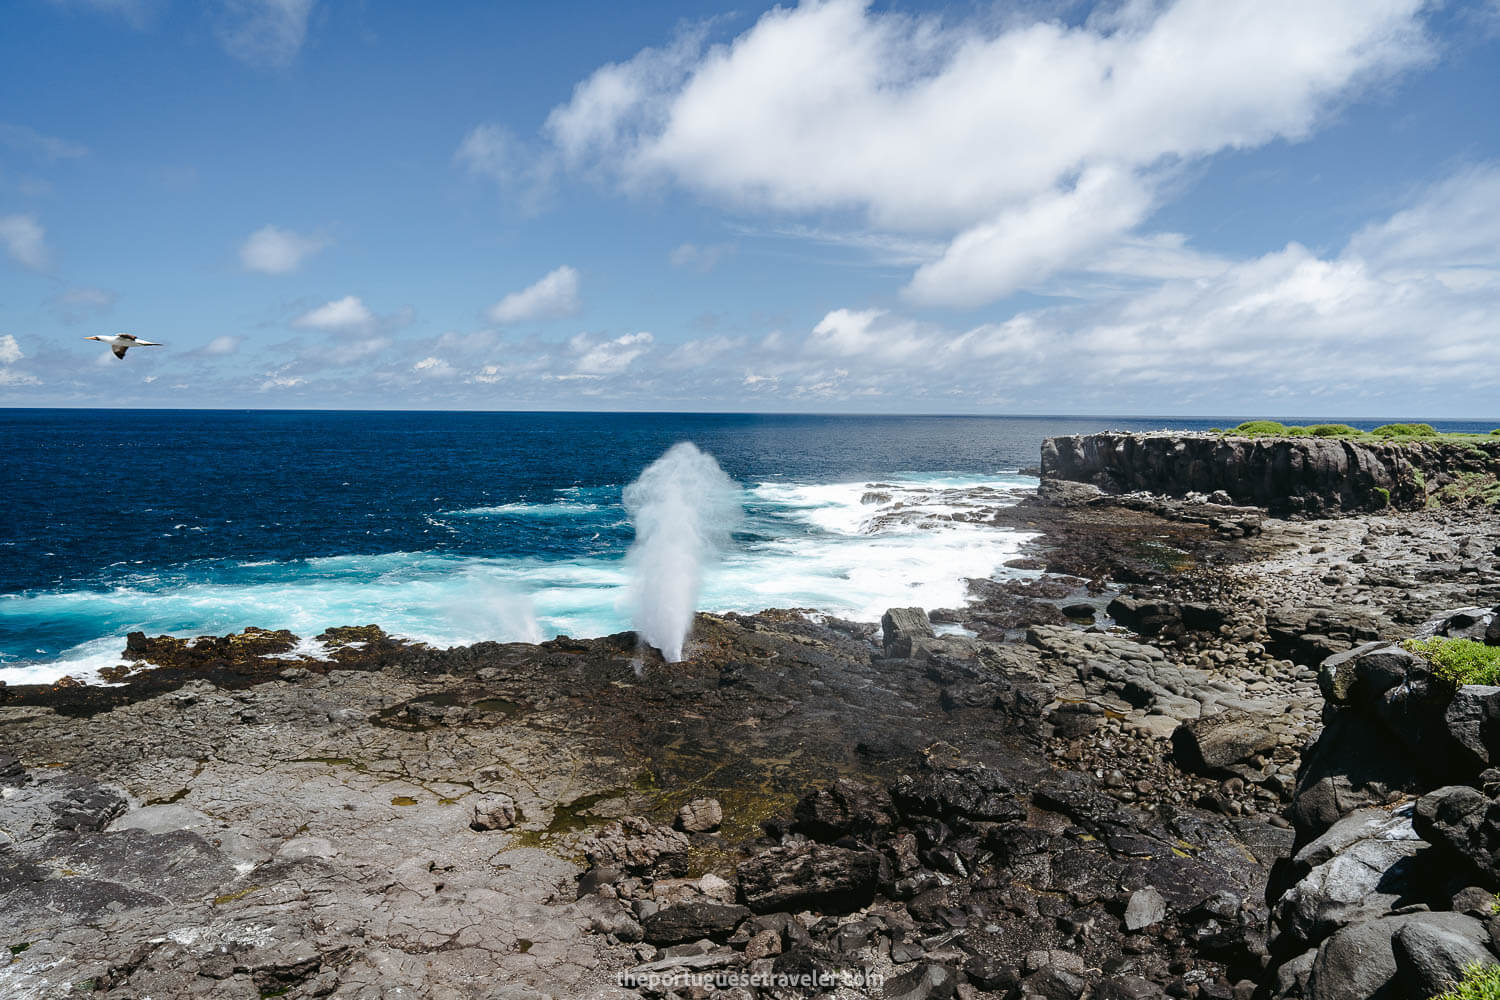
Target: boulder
<point x="692" y="921"/>
<point x="1359" y="962"/>
<point x="900" y="627"/>
<point x="1431" y="955"/>
<point x="1353" y="764"/>
<point x="635" y="844"/>
<point x="1365" y="880"/>
<point x="1216" y="742"/>
<point x="493" y="812"/>
<point x="1473" y="721"/>
<point x="1492" y="634"/>
<point x="809" y="876"/>
<point x="925" y="982"/>
<point x="844" y="808"/>
<point x="700" y="816"/>
<point x="1464" y="824"/>
<point x="1145" y="908"/>
<point x="609" y="916"/>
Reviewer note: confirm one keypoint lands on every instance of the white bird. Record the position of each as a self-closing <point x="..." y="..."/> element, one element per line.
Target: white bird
<point x="122" y="342"/>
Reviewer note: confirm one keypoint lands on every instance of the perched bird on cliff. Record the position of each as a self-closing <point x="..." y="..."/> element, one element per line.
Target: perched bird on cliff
<point x="122" y="342"/>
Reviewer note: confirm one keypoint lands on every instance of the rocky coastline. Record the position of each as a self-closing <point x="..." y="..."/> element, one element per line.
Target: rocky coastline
<point x="1183" y="754"/>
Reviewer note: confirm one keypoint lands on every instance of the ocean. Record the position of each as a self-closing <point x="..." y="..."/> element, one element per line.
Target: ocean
<point x="458" y="527"/>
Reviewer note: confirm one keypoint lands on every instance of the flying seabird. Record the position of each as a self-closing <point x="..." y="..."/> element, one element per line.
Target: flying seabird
<point x="122" y="342"/>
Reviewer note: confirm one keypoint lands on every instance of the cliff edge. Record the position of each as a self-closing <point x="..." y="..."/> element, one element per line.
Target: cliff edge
<point x="1285" y="475"/>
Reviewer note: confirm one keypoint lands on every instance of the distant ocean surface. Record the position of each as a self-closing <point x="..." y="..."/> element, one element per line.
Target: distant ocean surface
<point x="458" y="527"/>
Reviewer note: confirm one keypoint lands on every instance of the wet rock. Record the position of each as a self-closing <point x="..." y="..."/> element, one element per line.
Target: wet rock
<point x="700" y="816"/>
<point x="809" y="876"/>
<point x="494" y="812"/>
<point x="692" y="921"/>
<point x="1216" y="742"/>
<point x="901" y="627"/>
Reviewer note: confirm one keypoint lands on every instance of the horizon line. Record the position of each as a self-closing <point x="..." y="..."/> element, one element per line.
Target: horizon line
<point x="765" y="413"/>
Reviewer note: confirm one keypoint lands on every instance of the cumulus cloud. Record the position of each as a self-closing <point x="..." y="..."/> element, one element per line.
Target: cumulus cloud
<point x="25" y="241"/>
<point x="981" y="134"/>
<point x="272" y="250"/>
<point x="10" y="353"/>
<point x="345" y="315"/>
<point x="554" y="295"/>
<point x="221" y="347"/>
<point x="266" y="33"/>
<point x="1409" y="302"/>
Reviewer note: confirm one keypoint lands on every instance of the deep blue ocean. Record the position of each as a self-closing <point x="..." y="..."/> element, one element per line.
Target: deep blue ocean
<point x="456" y="527"/>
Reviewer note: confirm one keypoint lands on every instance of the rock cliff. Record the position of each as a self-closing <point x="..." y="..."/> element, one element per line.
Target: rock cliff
<point x="1285" y="475"/>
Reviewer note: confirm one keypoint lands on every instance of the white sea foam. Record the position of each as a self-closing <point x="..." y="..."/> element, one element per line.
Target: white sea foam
<point x="558" y="508"/>
<point x="811" y="546"/>
<point x="684" y="509"/>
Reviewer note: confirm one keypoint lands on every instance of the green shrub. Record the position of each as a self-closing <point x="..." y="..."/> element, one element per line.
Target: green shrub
<point x="1496" y="431"/>
<point x="1384" y="495"/>
<point x="1405" y="430"/>
<point x="1254" y="427"/>
<point x="1294" y="430"/>
<point x="1480" y="982"/>
<point x="1459" y="661"/>
<point x="1332" y="431"/>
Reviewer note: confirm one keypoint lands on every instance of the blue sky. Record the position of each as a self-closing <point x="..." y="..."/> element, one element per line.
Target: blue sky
<point x="1191" y="207"/>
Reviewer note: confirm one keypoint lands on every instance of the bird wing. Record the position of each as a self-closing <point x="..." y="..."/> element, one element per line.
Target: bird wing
<point x="120" y="350"/>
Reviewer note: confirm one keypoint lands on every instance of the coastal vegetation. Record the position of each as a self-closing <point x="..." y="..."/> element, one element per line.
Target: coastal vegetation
<point x="1479" y="982"/>
<point x="1385" y="432"/>
<point x="1459" y="661"/>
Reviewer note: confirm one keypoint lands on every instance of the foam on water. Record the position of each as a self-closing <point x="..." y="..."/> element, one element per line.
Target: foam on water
<point x="829" y="547"/>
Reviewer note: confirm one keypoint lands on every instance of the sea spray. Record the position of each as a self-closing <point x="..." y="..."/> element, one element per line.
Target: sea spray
<point x="684" y="509"/>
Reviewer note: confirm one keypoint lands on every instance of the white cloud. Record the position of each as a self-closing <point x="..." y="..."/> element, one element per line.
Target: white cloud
<point x="1023" y="246"/>
<point x="74" y="305"/>
<point x="272" y="250"/>
<point x="10" y="353"/>
<point x="489" y="151"/>
<point x="975" y="132"/>
<point x="434" y="367"/>
<point x="264" y="32"/>
<point x="695" y="257"/>
<point x="10" y="350"/>
<point x="607" y="357"/>
<point x="274" y="381"/>
<point x="554" y="295"/>
<point x="25" y="241"/>
<point x="345" y="315"/>
<point x="221" y="346"/>
<point x="28" y="140"/>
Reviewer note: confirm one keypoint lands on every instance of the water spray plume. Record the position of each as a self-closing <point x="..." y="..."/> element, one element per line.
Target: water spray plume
<point x="684" y="509"/>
